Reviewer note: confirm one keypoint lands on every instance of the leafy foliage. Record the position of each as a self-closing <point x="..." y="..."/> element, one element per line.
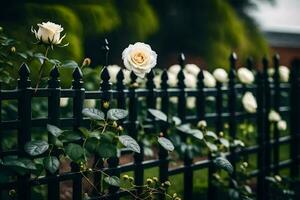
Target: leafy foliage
<point x="37" y="147"/>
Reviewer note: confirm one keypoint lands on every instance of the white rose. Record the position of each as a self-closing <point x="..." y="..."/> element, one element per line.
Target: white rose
<point x="271" y="72"/>
<point x="89" y="103"/>
<point x="245" y="75"/>
<point x="190" y="80"/>
<point x="281" y="125"/>
<point x="284" y="73"/>
<point x="191" y="102"/>
<point x="172" y="79"/>
<point x="113" y="71"/>
<point x="174" y="100"/>
<point x="274" y="116"/>
<point x="49" y="33"/>
<point x="209" y="80"/>
<point x="249" y="102"/>
<point x="192" y="69"/>
<point x="139" y="58"/>
<point x="220" y="75"/>
<point x="127" y="78"/>
<point x="157" y="80"/>
<point x="63" y="102"/>
<point x="174" y="69"/>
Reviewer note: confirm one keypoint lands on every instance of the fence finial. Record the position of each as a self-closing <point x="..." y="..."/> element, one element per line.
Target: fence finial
<point x="150" y="83"/>
<point x="164" y="79"/>
<point x="54" y="73"/>
<point x="181" y="60"/>
<point x="24" y="72"/>
<point x="265" y="62"/>
<point x="77" y="74"/>
<point x="233" y="59"/>
<point x="105" y="49"/>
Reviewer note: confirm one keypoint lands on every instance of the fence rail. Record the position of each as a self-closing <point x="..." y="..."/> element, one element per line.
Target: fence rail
<point x="268" y="95"/>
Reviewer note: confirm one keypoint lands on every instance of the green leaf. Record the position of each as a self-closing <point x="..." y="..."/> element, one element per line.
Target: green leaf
<point x="177" y="121"/>
<point x="87" y="134"/>
<point x="196" y="133"/>
<point x="223" y="163"/>
<point x="224" y="142"/>
<point x="70" y="136"/>
<point x="51" y="163"/>
<point x="116" y="114"/>
<point x="74" y="151"/>
<point x="130" y="143"/>
<point x="158" y="114"/>
<point x="211" y="134"/>
<point x="185" y="128"/>
<point x="56" y="142"/>
<point x="70" y="64"/>
<point x="93" y="113"/>
<point x="36" y="147"/>
<point x="54" y="130"/>
<point x="106" y="150"/>
<point x="166" y="143"/>
<point x="91" y="144"/>
<point x="24" y="163"/>
<point x="212" y="147"/>
<point x="112" y="180"/>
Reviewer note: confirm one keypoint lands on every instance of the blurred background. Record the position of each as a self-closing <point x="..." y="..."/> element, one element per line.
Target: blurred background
<point x="206" y="31"/>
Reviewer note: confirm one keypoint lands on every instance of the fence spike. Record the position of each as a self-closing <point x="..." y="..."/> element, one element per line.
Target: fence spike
<point x="54" y="73"/>
<point x="150" y="83"/>
<point x="181" y="60"/>
<point x="24" y="71"/>
<point x="77" y="74"/>
<point x="105" y="49"/>
<point x="233" y="59"/>
<point x="164" y="79"/>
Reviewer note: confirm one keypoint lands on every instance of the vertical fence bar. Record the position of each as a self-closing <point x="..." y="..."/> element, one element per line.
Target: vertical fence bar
<point x="276" y="107"/>
<point x="121" y="101"/>
<point x="249" y="63"/>
<point x="232" y="109"/>
<point x="113" y="162"/>
<point x="219" y="108"/>
<point x="163" y="154"/>
<point x="78" y="99"/>
<point x="1" y="134"/>
<point x="24" y="133"/>
<point x="133" y="131"/>
<point x="188" y="172"/>
<point x="267" y="108"/>
<point x="294" y="118"/>
<point x="53" y="119"/>
<point x="200" y="97"/>
<point x="260" y="137"/>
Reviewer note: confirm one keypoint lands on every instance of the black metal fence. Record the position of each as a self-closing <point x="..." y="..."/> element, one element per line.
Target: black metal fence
<point x="268" y="95"/>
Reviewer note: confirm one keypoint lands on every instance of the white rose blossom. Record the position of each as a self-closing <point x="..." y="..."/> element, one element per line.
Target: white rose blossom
<point x="249" y="102"/>
<point x="49" y="33"/>
<point x="139" y="58"/>
<point x="191" y="102"/>
<point x="284" y="73"/>
<point x="63" y="102"/>
<point x="190" y="80"/>
<point x="192" y="69"/>
<point x="209" y="80"/>
<point x="281" y="125"/>
<point x="113" y="71"/>
<point x="174" y="69"/>
<point x="220" y="75"/>
<point x="274" y="116"/>
<point x="89" y="103"/>
<point x="172" y="79"/>
<point x="245" y="75"/>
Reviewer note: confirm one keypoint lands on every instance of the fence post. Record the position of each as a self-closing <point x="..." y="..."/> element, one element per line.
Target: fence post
<point x="260" y="137"/>
<point x="188" y="172"/>
<point x="232" y="109"/>
<point x="267" y="108"/>
<point x="133" y="131"/>
<point x="200" y="97"/>
<point x="77" y="115"/>
<point x="24" y="134"/>
<point x="276" y="107"/>
<point x="53" y="119"/>
<point x="294" y="117"/>
<point x="163" y="154"/>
